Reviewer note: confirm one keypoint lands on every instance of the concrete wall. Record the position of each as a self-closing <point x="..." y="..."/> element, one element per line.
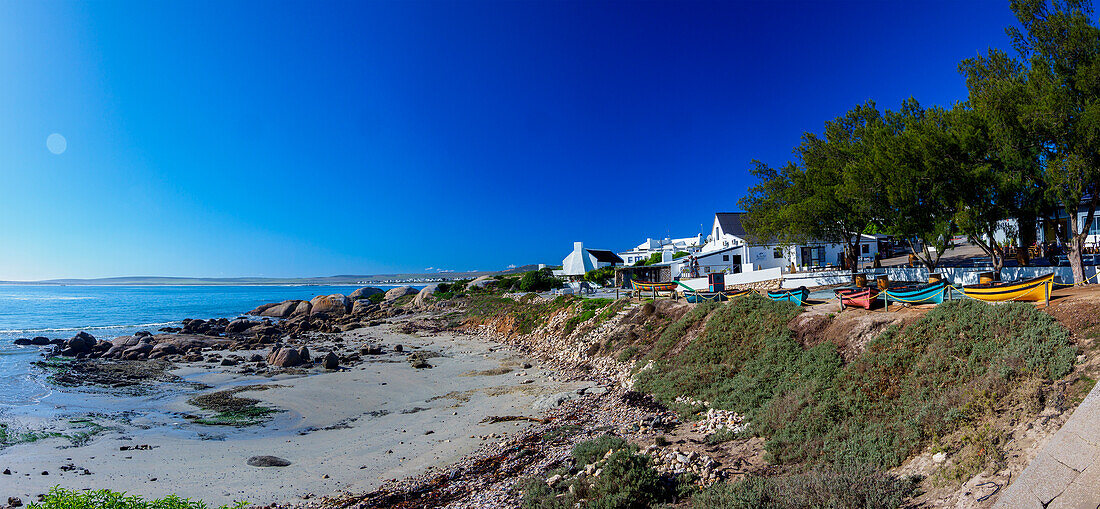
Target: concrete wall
<point x="744" y="278"/>
<point x="956" y="275"/>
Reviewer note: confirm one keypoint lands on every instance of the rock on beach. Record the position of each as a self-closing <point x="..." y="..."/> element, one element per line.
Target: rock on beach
<point x="268" y="461"/>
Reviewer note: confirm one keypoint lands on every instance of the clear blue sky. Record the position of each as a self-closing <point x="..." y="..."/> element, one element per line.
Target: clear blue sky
<point x="231" y="138"/>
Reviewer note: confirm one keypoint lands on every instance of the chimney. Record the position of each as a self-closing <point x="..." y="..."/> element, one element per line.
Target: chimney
<point x="578" y="247"/>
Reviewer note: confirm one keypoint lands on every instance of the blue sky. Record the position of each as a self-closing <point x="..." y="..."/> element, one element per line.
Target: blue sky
<point x="300" y="139"/>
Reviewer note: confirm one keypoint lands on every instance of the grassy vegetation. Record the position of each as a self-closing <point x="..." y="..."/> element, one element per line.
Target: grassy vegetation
<point x="853" y="487"/>
<point x="84" y="430"/>
<point x="231" y="410"/>
<point x="590" y="308"/>
<point x="626" y="480"/>
<point x="912" y="385"/>
<point x="528" y="314"/>
<point x="60" y="498"/>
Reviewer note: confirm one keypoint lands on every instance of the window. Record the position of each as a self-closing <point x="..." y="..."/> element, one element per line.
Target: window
<point x="777" y="252"/>
<point x="725" y="258"/>
<point x="1095" y="226"/>
<point x="866" y="248"/>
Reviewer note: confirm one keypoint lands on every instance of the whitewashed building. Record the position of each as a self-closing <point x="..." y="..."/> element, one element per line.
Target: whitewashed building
<point x="727" y="249"/>
<point x="582" y="260"/>
<point x="646" y="249"/>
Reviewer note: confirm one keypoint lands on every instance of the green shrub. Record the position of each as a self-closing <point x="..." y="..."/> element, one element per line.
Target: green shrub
<point x="679" y="254"/>
<point x="376" y="298"/>
<point x="538" y="281"/>
<point x="627" y="481"/>
<point x="910" y="386"/>
<point x="594" y="450"/>
<point x="852" y="487"/>
<point x="60" y="498"/>
<point x="602" y="276"/>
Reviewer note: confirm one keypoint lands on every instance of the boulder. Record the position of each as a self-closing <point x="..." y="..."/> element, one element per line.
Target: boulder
<point x="423" y="294"/>
<point x="163" y="349"/>
<point x="363" y="307"/>
<point x="329" y="305"/>
<point x="364" y="292"/>
<point x="80" y="344"/>
<point x="139" y="351"/>
<point x="284" y="357"/>
<point x="331" y="361"/>
<point x="281" y="310"/>
<point x="303" y="353"/>
<point x="261" y="308"/>
<point x="479" y="282"/>
<point x="120" y="344"/>
<point x="239" y="325"/>
<point x="400" y="291"/>
<point x="302" y="309"/>
<point x="267" y="461"/>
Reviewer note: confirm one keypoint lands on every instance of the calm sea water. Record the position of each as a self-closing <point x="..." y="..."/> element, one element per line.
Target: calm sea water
<point x="110" y="311"/>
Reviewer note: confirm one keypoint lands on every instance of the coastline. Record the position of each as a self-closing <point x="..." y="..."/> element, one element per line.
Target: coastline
<point x="337" y="440"/>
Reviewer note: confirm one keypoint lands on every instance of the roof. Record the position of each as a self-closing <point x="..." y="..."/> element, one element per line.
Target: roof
<point x="731" y="223"/>
<point x="605" y="256"/>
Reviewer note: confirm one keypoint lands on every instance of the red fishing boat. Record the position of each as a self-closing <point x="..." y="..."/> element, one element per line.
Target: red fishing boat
<point x="858" y="297"/>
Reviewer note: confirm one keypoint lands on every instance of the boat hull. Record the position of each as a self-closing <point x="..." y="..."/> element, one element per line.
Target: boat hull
<point x="647" y="286"/>
<point x="1030" y="290"/>
<point x="797" y="295"/>
<point x="930" y="293"/>
<point x="857" y="297"/>
<point x="699" y="296"/>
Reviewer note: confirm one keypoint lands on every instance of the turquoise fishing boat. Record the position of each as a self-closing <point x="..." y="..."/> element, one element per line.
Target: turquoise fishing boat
<point x="796" y="295"/>
<point x="928" y="293"/>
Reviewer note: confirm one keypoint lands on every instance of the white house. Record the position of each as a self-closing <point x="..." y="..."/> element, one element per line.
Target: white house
<point x="646" y="249"/>
<point x="582" y="260"/>
<point x="728" y="250"/>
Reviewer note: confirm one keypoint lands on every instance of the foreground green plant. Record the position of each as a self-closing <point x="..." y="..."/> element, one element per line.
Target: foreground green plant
<point x="910" y="386"/>
<point x="852" y="487"/>
<point x="61" y="498"/>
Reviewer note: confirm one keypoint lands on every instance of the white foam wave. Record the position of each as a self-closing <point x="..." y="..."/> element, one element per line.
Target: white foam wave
<point x="92" y="327"/>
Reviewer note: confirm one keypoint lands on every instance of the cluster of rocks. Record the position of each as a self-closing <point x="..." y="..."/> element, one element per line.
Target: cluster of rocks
<point x="279" y="322"/>
<point x="690" y="401"/>
<point x="674" y="461"/>
<point x="288" y="357"/>
<point x="719" y="420"/>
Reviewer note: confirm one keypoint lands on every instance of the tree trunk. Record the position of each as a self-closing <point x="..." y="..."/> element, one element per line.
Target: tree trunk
<point x="1073" y="251"/>
<point x="1026" y="232"/>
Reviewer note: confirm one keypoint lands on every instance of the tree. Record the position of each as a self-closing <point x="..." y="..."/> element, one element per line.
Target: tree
<point x="1061" y="42"/>
<point x="1005" y="172"/>
<point x="917" y="178"/>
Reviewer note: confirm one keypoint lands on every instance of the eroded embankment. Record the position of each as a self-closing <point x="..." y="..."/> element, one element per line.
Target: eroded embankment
<point x="953" y="398"/>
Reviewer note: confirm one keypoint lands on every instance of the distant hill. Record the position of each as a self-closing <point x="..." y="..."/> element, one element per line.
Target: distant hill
<point x="346" y="279"/>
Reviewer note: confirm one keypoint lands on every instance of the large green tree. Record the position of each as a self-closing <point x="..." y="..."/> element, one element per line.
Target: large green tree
<point x="917" y="178"/>
<point x="826" y="197"/>
<point x="1049" y="108"/>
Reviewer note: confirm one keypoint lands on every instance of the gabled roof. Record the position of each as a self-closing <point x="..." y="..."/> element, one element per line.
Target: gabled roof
<point x="731" y="223"/>
<point x="605" y="256"/>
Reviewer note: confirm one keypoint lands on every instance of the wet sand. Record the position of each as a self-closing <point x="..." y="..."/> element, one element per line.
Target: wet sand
<point x="341" y="431"/>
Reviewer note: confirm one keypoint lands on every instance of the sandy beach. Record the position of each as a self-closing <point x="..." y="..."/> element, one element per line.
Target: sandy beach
<point x="342" y="431"/>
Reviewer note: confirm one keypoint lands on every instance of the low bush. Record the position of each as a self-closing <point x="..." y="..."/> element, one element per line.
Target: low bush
<point x="60" y="498"/>
<point x="603" y="276"/>
<point x="594" y="450"/>
<point x="852" y="487"/>
<point x="910" y="386"/>
<point x="538" y="281"/>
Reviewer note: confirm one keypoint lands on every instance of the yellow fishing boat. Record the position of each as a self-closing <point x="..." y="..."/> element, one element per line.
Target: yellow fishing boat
<point x="1034" y="290"/>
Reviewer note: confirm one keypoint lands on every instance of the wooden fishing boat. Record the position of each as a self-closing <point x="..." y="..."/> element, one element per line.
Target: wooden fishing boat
<point x="796" y="295"/>
<point x="858" y="297"/>
<point x="694" y="296"/>
<point x="649" y="286"/>
<point x="1034" y="290"/>
<point x="928" y="293"/>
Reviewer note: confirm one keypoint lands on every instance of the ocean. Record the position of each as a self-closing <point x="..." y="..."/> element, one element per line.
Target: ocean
<point x="107" y="312"/>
